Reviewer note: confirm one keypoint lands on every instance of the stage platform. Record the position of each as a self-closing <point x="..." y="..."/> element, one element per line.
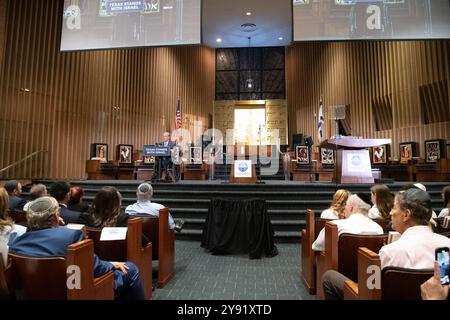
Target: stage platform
<point x="287" y="200"/>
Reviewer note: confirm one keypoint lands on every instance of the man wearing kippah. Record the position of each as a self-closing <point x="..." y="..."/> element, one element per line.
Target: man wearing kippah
<point x="144" y="206"/>
<point x="45" y="238"/>
<point x="356" y="220"/>
<point x="410" y="215"/>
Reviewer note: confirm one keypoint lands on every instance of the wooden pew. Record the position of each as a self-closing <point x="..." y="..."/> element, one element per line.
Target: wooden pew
<point x="163" y="240"/>
<point x="5" y="280"/>
<point x="396" y="283"/>
<point x="308" y="235"/>
<point x="45" y="278"/>
<point x="341" y="253"/>
<point x="127" y="250"/>
<point x="383" y="222"/>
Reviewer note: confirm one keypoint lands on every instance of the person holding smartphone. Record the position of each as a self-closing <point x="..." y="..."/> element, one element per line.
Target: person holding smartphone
<point x="433" y="288"/>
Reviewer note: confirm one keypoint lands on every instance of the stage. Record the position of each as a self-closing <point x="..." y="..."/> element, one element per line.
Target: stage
<point x="287" y="201"/>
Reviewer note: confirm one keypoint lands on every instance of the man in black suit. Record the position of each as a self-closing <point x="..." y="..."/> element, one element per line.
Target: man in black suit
<point x="60" y="190"/>
<point x="165" y="163"/>
<point x="14" y="189"/>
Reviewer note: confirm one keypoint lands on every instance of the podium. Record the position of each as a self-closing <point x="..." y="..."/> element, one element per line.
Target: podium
<point x="353" y="160"/>
<point x="247" y="168"/>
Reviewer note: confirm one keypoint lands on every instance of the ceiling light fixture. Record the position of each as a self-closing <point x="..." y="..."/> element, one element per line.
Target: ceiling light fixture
<point x="280" y="38"/>
<point x="248" y="13"/>
<point x="219" y="40"/>
<point x="249" y="81"/>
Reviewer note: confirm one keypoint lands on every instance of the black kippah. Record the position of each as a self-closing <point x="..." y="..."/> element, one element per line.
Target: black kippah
<point x="144" y="188"/>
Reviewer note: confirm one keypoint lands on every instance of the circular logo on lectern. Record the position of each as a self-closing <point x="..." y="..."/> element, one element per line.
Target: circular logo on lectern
<point x="356" y="161"/>
<point x="243" y="167"/>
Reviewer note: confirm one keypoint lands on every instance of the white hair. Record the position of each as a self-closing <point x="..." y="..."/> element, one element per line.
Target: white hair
<point x="356" y="202"/>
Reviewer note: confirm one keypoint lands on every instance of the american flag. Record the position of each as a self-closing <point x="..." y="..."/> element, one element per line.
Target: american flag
<point x="178" y="120"/>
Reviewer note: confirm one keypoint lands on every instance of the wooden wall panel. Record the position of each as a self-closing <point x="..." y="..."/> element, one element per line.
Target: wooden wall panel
<point x="63" y="102"/>
<point x="356" y="73"/>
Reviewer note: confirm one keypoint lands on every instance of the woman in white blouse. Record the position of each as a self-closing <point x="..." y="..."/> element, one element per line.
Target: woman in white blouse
<point x="7" y="227"/>
<point x="336" y="210"/>
<point x="446" y="197"/>
<point x="383" y="201"/>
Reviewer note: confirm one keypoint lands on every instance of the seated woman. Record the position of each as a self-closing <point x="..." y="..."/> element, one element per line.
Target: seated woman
<point x="8" y="230"/>
<point x="383" y="201"/>
<point x="76" y="200"/>
<point x="106" y="210"/>
<point x="446" y="197"/>
<point x="337" y="208"/>
<point x="46" y="238"/>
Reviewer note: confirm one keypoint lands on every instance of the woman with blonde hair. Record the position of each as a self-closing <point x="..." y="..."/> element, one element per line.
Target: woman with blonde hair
<point x="383" y="201"/>
<point x="336" y="210"/>
<point x="8" y="230"/>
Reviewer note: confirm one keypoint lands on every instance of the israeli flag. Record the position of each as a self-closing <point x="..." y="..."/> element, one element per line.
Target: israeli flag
<point x="320" y="119"/>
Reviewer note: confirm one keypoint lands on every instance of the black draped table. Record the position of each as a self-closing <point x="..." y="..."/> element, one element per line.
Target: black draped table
<point x="239" y="226"/>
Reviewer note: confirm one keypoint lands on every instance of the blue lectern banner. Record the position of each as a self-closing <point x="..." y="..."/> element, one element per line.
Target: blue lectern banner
<point x="156" y="151"/>
<point x="121" y="6"/>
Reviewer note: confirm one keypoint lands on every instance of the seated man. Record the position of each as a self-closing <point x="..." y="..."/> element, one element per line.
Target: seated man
<point x="14" y="189"/>
<point x="145" y="206"/>
<point x="60" y="190"/>
<point x="45" y="239"/>
<point x="356" y="220"/>
<point x="415" y="248"/>
<point x="163" y="164"/>
<point x="36" y="191"/>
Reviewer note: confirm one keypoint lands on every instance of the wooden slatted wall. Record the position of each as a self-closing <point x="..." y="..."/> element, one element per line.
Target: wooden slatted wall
<point x="78" y="98"/>
<point x="358" y="73"/>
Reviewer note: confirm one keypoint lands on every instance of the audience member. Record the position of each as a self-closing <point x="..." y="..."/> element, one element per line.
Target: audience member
<point x="36" y="191"/>
<point x="8" y="230"/>
<point x="446" y="197"/>
<point x="415" y="248"/>
<point x="337" y="208"/>
<point x="382" y="200"/>
<point x="14" y="189"/>
<point x="356" y="220"/>
<point x="60" y="190"/>
<point x="106" y="210"/>
<point x="432" y="289"/>
<point x="144" y="206"/>
<point x="46" y="238"/>
<point x="76" y="200"/>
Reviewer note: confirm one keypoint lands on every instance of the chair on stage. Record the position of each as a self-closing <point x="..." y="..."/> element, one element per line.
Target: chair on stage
<point x="46" y="278"/>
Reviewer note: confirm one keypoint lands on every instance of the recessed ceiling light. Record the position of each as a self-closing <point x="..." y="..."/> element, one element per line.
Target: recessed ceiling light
<point x="219" y="40"/>
<point x="248" y="13"/>
<point x="280" y="38"/>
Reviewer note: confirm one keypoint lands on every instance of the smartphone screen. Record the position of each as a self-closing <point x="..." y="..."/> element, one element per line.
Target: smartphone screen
<point x="443" y="258"/>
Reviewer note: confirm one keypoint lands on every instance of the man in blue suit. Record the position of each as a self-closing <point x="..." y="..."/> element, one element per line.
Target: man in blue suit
<point x="60" y="190"/>
<point x="14" y="189"/>
<point x="165" y="163"/>
<point x="45" y="238"/>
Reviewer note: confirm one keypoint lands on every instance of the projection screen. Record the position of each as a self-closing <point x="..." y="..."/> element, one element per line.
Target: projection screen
<point x="105" y="24"/>
<point x="371" y="19"/>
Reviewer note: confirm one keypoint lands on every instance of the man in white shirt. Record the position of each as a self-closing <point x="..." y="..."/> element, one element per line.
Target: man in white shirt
<point x="356" y="221"/>
<point x="144" y="206"/>
<point x="415" y="248"/>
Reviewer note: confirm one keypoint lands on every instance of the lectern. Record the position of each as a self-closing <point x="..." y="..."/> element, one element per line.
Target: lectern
<point x="353" y="160"/>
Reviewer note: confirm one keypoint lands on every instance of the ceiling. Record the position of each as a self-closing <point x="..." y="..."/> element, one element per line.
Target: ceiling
<point x="223" y="19"/>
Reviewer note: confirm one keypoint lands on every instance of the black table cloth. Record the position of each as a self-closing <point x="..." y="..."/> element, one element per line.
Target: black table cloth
<point x="239" y="226"/>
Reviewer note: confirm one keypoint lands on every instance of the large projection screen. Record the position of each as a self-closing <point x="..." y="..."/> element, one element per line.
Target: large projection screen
<point x="105" y="24"/>
<point x="371" y="19"/>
